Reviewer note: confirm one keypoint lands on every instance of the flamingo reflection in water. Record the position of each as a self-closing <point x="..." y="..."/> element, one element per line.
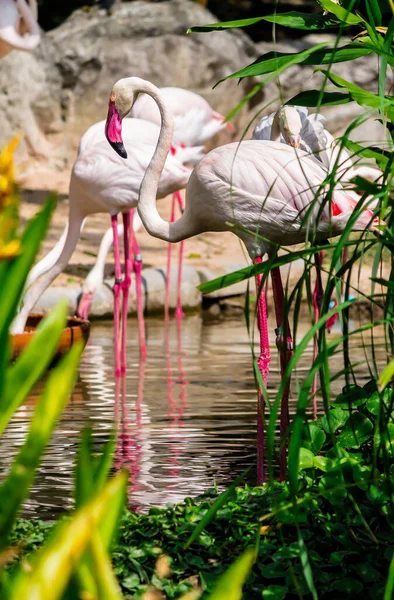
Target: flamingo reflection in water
<point x="134" y="451"/>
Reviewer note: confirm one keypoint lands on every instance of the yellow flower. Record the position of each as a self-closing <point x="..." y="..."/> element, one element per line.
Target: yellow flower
<point x="265" y="529"/>
<point x="10" y="250"/>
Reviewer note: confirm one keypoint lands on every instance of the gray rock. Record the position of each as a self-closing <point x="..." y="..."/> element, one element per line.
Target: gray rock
<point x="56" y="93"/>
<point x="153" y="282"/>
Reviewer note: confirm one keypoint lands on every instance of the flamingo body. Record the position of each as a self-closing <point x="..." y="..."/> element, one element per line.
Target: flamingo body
<point x="195" y="122"/>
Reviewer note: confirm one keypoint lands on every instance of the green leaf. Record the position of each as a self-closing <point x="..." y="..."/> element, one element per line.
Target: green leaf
<point x="276" y="63"/>
<point x="15" y="488"/>
<point x="358" y="429"/>
<point x="51" y="567"/>
<point x="358" y="94"/>
<point x="377" y="154"/>
<point x="293" y="19"/>
<point x="32" y="363"/>
<point x="336" y="419"/>
<point x="211" y="513"/>
<point x="306" y="459"/>
<point x="341" y="13"/>
<point x="387" y="374"/>
<point x="14" y="281"/>
<point x="375" y="401"/>
<point x="267" y="63"/>
<point x="389" y="589"/>
<point x="317" y="98"/>
<point x="352" y="395"/>
<point x="229" y="585"/>
<point x="323" y="463"/>
<point x="306" y="566"/>
<point x="313" y="437"/>
<point x="274" y="592"/>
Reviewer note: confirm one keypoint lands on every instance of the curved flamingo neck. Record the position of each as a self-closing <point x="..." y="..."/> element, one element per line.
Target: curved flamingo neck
<point x="275" y="129"/>
<point x="147" y="209"/>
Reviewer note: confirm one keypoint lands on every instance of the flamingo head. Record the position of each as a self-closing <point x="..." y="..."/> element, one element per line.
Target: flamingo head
<point x="290" y="125"/>
<point x="123" y="95"/>
<point x="84" y="305"/>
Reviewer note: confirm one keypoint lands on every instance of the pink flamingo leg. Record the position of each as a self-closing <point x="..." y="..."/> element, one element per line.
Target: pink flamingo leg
<point x="137" y="267"/>
<point x="286" y="352"/>
<point x="178" y="311"/>
<point x="116" y="290"/>
<point x="263" y="364"/>
<point x="317" y="298"/>
<point x="125" y="289"/>
<point x="169" y="253"/>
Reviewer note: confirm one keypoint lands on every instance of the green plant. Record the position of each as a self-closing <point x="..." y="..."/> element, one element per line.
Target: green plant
<point x="75" y="558"/>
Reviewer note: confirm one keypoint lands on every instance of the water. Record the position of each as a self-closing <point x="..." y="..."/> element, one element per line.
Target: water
<point x="186" y="418"/>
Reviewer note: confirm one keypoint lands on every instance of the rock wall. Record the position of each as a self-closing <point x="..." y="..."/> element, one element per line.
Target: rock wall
<point x="54" y="94"/>
<point x="61" y="89"/>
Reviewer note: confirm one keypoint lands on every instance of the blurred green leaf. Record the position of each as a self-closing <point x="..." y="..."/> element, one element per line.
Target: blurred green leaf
<point x="274" y="592"/>
<point x="32" y="363"/>
<point x="387" y="374"/>
<point x="52" y="566"/>
<point x="15" y="488"/>
<point x="229" y="585"/>
<point x="306" y="458"/>
<point x="14" y="281"/>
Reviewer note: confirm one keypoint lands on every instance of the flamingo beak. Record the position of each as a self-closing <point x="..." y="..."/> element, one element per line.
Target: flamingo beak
<point x="84" y="305"/>
<point x="295" y="141"/>
<point x="113" y="129"/>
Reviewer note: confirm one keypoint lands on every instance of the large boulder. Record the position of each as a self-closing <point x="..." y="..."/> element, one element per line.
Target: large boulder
<point x="62" y="88"/>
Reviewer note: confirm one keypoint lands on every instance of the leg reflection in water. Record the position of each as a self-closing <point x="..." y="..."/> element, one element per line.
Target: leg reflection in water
<point x="129" y="448"/>
<point x="148" y="446"/>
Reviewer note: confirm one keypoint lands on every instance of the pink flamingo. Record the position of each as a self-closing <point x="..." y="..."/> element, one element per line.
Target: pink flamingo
<point x="294" y="126"/>
<point x="255" y="189"/>
<point x="18" y="26"/>
<point x="195" y="122"/>
<point x="103" y="182"/>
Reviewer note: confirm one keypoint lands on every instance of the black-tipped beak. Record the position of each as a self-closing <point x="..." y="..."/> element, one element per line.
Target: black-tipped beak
<point x="113" y="129"/>
<point x="119" y="148"/>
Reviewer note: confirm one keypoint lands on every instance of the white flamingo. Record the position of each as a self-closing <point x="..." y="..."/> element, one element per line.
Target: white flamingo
<point x="195" y="122"/>
<point x="255" y="189"/>
<point x="102" y="182"/>
<point x="294" y="126"/>
<point x="19" y="29"/>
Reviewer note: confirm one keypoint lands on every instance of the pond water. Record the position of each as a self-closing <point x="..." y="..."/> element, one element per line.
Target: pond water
<point x="185" y="417"/>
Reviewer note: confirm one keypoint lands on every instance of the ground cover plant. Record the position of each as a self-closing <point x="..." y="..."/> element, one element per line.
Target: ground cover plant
<point x="336" y="539"/>
<point x="326" y="531"/>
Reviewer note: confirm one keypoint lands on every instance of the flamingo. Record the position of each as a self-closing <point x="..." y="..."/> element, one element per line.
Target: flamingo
<point x="195" y="122"/>
<point x="255" y="189"/>
<point x="294" y="126"/>
<point x="94" y="280"/>
<point x="16" y="20"/>
<point x="103" y="182"/>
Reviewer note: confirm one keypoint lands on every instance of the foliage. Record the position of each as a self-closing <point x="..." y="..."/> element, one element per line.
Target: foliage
<point x="75" y="558"/>
<point x="342" y="517"/>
